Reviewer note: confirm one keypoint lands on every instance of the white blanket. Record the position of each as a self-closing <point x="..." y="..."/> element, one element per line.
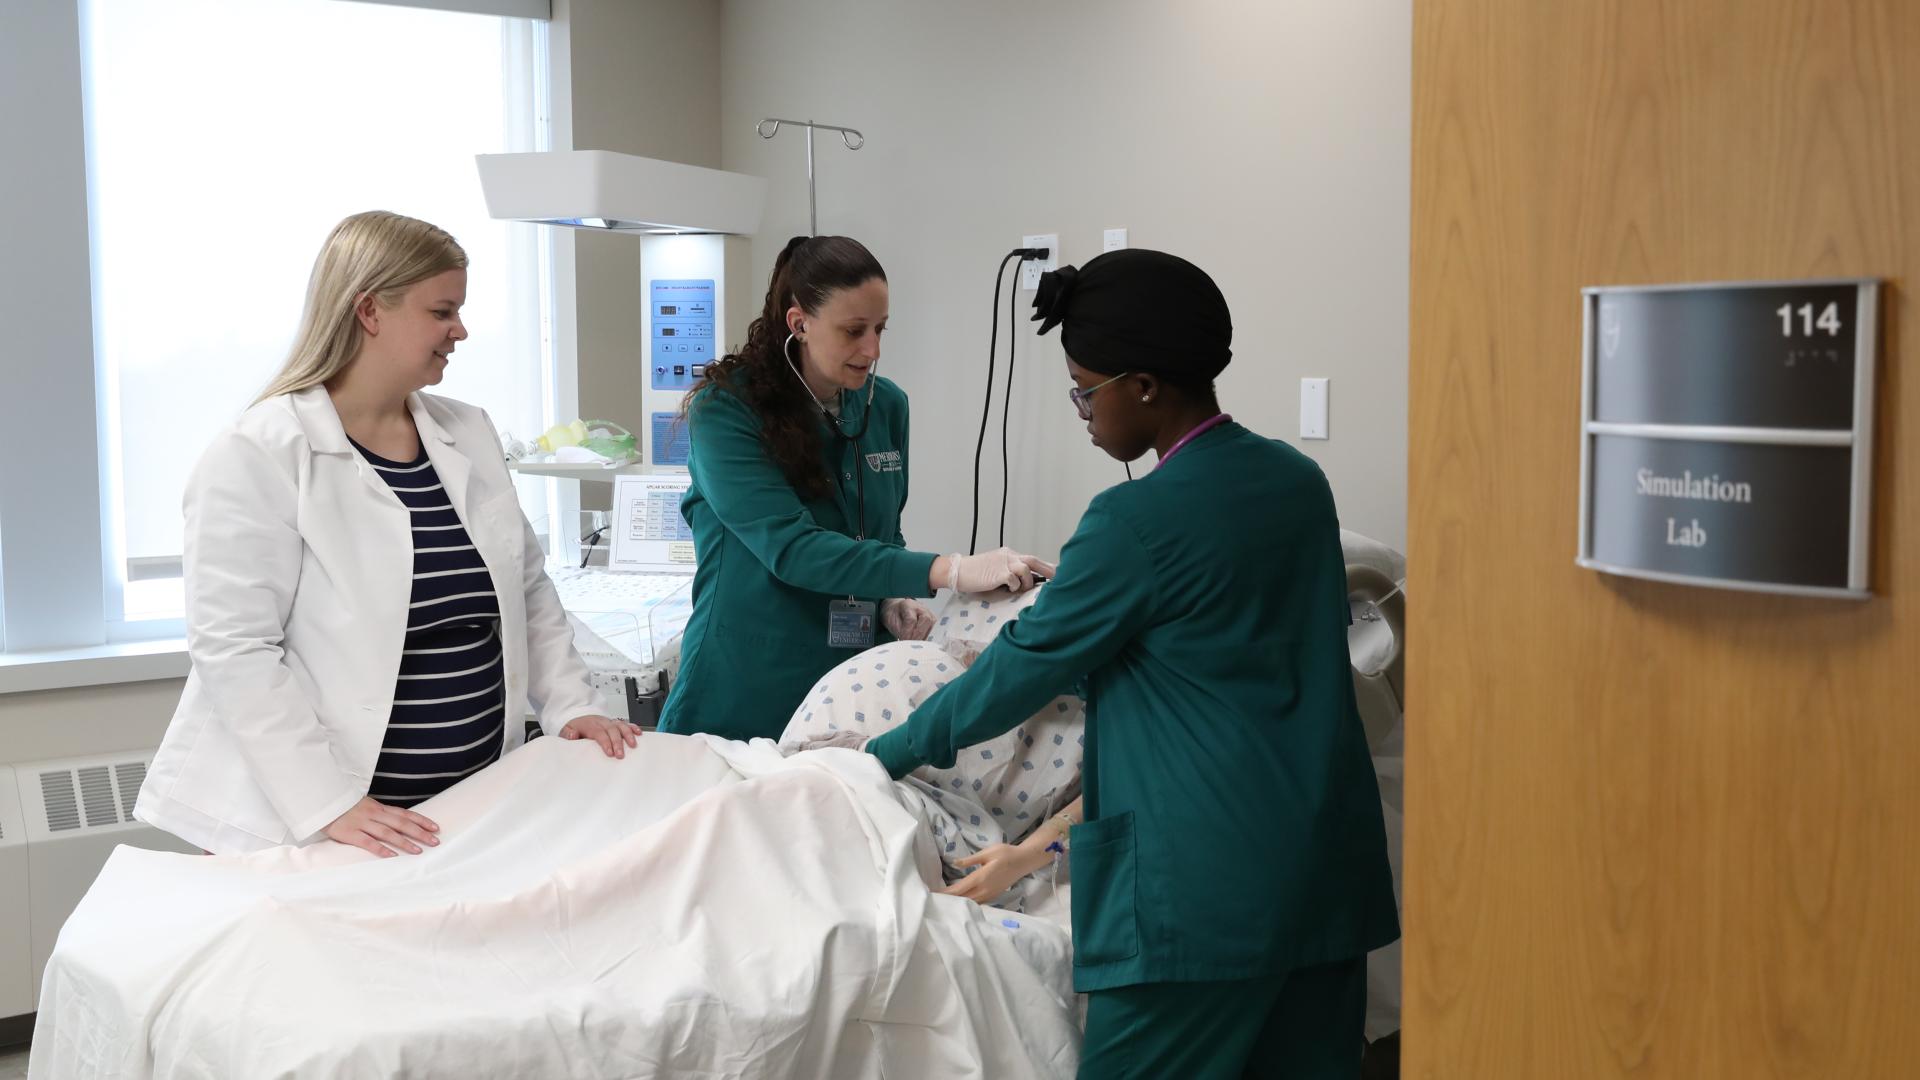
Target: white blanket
<point x="701" y="909"/>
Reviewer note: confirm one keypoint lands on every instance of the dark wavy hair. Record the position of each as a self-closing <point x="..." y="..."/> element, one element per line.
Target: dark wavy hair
<point x="808" y="271"/>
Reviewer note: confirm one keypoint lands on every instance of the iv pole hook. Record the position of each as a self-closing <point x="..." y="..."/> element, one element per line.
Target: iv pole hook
<point x="851" y="138"/>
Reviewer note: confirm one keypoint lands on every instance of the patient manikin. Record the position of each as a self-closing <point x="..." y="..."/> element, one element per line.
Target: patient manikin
<point x="997" y="792"/>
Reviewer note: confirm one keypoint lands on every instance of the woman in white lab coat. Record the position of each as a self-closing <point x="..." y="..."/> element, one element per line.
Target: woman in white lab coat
<point x="367" y="613"/>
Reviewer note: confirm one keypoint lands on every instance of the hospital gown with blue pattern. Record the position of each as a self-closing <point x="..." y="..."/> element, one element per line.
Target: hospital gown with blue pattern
<point x="997" y="792"/>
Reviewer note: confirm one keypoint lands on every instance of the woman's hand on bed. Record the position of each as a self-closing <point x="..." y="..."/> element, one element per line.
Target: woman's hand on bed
<point x="908" y="620"/>
<point x="995" y="870"/>
<point x="614" y="736"/>
<point x="384" y="830"/>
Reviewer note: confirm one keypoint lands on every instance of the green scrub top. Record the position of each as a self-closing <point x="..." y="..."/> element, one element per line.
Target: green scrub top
<point x="770" y="562"/>
<point x="1233" y="820"/>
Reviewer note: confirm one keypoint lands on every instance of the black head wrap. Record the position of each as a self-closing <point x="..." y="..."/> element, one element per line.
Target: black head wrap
<point x="1136" y="310"/>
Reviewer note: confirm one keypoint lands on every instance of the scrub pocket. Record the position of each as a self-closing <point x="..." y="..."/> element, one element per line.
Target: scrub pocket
<point x="1105" y="891"/>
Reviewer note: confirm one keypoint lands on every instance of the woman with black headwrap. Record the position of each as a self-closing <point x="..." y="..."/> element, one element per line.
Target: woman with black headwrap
<point x="1231" y="875"/>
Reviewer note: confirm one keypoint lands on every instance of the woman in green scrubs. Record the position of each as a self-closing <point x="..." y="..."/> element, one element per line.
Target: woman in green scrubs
<point x="799" y="462"/>
<point x="1231" y="874"/>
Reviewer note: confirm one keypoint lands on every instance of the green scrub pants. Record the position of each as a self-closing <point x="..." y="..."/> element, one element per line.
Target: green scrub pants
<point x="1309" y="1024"/>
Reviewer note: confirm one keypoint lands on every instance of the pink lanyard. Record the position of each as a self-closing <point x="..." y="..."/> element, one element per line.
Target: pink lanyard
<point x="1205" y="426"/>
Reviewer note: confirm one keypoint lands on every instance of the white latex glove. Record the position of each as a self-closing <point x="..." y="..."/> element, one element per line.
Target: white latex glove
<point x="908" y="620"/>
<point x="1001" y="568"/>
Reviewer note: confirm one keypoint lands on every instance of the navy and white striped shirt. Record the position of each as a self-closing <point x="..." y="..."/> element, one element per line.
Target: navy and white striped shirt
<point x="449" y="707"/>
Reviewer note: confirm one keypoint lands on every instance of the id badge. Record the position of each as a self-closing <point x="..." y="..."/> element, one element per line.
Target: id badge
<point x="850" y="624"/>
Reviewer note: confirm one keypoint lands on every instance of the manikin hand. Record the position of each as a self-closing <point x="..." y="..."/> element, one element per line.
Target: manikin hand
<point x="908" y="620"/>
<point x="997" y="868"/>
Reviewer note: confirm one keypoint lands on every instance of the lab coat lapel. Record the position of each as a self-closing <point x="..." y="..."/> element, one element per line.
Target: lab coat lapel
<point x="320" y="422"/>
<point x="365" y="526"/>
<point x="483" y="523"/>
<point x="452" y="465"/>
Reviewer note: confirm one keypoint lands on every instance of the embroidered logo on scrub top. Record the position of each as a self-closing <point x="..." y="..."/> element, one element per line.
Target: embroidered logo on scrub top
<point x="885" y="461"/>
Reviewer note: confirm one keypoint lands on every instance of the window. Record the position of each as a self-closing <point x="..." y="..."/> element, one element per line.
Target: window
<point x="224" y="139"/>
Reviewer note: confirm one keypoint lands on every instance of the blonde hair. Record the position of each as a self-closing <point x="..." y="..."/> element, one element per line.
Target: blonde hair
<point x="375" y="253"/>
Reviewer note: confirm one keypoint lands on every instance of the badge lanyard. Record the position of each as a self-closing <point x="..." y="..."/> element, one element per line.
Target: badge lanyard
<point x="860" y="482"/>
<point x="850" y="622"/>
<point x="1205" y="426"/>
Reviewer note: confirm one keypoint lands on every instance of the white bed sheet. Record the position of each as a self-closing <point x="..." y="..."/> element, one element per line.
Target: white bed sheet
<point x="701" y="909"/>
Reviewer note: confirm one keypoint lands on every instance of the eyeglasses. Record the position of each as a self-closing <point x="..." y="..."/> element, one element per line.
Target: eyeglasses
<point x="1083" y="399"/>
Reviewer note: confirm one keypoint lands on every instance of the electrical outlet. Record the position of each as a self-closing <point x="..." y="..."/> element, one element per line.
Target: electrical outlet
<point x="1031" y="269"/>
<point x="1114" y="240"/>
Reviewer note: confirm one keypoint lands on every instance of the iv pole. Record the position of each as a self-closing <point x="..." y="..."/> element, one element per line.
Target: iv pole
<point x="853" y="140"/>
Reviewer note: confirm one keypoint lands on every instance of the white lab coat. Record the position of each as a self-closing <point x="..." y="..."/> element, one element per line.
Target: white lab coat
<point x="299" y="570"/>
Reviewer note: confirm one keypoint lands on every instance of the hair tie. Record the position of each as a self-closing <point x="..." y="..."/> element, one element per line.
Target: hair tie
<point x="786" y="253"/>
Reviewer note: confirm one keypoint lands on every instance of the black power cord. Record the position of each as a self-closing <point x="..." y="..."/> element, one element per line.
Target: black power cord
<point x="588" y="543"/>
<point x="1006" y="405"/>
<point x="986" y="406"/>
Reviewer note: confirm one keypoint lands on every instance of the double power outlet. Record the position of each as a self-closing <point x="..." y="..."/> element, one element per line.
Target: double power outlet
<point x="1030" y="271"/>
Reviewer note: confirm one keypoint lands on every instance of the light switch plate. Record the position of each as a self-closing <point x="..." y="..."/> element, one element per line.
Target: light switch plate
<point x="1313" y="408"/>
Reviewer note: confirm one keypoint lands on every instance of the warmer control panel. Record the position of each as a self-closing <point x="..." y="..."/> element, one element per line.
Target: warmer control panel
<point x="683" y="332"/>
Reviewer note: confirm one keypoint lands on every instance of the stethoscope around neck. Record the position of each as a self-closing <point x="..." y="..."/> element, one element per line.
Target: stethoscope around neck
<point x="840" y="430"/>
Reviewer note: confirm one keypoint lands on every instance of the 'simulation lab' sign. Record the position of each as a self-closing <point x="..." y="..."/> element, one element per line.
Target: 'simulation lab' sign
<point x="1727" y="434"/>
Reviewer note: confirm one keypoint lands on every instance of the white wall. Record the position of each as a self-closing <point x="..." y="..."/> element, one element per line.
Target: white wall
<point x="1267" y="142"/>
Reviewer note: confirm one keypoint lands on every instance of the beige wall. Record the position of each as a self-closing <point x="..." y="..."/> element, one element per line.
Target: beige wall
<point x="1266" y="142"/>
<point x="645" y="76"/>
<point x="638" y="77"/>
<point x="45" y="725"/>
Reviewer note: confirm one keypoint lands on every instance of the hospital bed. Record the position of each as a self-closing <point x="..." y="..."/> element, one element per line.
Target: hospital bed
<point x="701" y="908"/>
